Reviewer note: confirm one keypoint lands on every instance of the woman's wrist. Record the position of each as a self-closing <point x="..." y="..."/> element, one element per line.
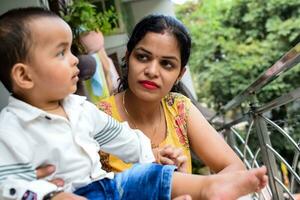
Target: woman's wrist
<point x="50" y="195"/>
<point x="156" y="155"/>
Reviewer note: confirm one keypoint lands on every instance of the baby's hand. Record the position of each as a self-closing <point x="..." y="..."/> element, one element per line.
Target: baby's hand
<point x="169" y="155"/>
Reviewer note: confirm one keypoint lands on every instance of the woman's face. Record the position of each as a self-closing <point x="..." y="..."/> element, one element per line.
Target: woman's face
<point x="154" y="66"/>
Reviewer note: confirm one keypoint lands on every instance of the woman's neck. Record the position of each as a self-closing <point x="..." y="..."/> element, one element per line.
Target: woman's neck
<point x="144" y="115"/>
<point x="139" y="110"/>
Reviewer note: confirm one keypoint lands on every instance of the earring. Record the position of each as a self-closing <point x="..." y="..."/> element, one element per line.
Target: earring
<point x="177" y="81"/>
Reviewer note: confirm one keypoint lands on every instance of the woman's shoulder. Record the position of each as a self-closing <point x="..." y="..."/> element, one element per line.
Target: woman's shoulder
<point x="174" y="98"/>
<point x="107" y="105"/>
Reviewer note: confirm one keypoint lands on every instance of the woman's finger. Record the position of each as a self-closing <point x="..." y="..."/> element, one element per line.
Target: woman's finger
<point x="177" y="152"/>
<point x="171" y="152"/>
<point x="58" y="182"/>
<point x="166" y="161"/>
<point x="182" y="163"/>
<point x="42" y="172"/>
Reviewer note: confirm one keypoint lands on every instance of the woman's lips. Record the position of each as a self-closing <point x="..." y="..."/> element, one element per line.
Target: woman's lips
<point x="149" y="85"/>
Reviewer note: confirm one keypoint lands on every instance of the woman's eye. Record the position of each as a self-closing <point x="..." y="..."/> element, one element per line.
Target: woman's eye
<point x="166" y="64"/>
<point x="142" y="57"/>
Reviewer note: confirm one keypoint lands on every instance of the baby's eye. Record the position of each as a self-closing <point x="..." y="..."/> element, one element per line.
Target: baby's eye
<point x="61" y="53"/>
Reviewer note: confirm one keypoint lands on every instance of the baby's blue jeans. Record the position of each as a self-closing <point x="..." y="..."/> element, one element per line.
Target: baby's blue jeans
<point x="142" y="181"/>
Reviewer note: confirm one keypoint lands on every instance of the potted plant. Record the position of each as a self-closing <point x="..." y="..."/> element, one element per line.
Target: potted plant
<point x="85" y="22"/>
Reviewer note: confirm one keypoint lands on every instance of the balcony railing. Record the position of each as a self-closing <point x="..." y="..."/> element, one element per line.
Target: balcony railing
<point x="256" y="123"/>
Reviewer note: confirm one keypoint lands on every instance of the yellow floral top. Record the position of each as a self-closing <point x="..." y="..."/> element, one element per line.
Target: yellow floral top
<point x="176" y="109"/>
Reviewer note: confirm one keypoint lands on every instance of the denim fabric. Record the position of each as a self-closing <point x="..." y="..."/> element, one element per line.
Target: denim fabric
<point x="142" y="181"/>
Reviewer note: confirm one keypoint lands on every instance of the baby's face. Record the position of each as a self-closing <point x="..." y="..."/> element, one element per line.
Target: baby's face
<point x="53" y="66"/>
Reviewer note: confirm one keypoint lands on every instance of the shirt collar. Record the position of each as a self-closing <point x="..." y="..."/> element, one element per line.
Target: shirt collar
<point x="28" y="112"/>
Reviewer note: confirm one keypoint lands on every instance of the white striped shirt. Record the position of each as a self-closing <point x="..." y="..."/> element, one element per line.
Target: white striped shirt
<point x="31" y="137"/>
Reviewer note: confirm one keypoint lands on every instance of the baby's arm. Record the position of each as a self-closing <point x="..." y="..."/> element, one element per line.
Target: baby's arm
<point x="17" y="174"/>
<point x="116" y="138"/>
<point x="120" y="140"/>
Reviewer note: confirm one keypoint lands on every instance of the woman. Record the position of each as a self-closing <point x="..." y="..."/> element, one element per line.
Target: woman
<point x="157" y="53"/>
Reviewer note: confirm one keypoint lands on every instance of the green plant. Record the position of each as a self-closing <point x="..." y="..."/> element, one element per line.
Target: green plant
<point x="82" y="16"/>
<point x="108" y="20"/>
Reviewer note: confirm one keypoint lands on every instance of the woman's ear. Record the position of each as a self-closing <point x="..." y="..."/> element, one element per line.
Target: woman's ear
<point x="181" y="74"/>
<point x="21" y="77"/>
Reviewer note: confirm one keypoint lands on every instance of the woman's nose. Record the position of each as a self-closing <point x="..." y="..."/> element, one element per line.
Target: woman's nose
<point x="152" y="69"/>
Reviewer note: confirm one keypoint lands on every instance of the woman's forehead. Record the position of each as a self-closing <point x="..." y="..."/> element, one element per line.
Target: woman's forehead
<point x="162" y="43"/>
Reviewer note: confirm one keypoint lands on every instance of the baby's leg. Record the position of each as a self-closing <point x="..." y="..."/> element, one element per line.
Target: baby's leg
<point x="227" y="186"/>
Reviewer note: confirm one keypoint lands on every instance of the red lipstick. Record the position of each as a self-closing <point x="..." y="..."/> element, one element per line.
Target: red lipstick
<point x="149" y="85"/>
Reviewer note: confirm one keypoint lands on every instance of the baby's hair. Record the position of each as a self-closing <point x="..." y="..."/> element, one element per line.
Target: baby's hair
<point x="16" y="39"/>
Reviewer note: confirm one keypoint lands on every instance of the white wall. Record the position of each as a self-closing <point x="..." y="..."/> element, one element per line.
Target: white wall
<point x="9" y="4"/>
<point x="116" y="44"/>
<point x="146" y="7"/>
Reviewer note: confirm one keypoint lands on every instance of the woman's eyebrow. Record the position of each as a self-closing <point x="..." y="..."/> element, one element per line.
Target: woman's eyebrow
<point x="171" y="58"/>
<point x="142" y="49"/>
<point x="164" y="57"/>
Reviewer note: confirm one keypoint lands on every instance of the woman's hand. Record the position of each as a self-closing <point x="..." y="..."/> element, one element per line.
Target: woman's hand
<point x="169" y="155"/>
<point x="43" y="171"/>
<point x="92" y="41"/>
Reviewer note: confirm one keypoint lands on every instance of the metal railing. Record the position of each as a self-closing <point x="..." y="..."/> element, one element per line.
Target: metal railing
<point x="256" y="123"/>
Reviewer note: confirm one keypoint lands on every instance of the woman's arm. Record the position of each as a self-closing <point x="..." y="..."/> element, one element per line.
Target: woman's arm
<point x="209" y="146"/>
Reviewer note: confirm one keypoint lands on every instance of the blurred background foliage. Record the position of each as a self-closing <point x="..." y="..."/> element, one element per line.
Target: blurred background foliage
<point x="233" y="42"/>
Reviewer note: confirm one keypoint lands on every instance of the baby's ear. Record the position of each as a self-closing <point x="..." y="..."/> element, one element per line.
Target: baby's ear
<point x="20" y="75"/>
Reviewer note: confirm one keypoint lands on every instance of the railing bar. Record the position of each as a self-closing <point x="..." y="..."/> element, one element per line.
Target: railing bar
<point x="264" y="196"/>
<point x="294" y="166"/>
<point x="241" y="155"/>
<point x="284" y="187"/>
<point x="282" y="132"/>
<point x="267" y="190"/>
<point x="255" y="196"/>
<point x="234" y="122"/>
<point x="282" y="100"/>
<point x="242" y="141"/>
<point x="248" y="149"/>
<point x="247" y="138"/>
<point x="283" y="160"/>
<point x="254" y="161"/>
